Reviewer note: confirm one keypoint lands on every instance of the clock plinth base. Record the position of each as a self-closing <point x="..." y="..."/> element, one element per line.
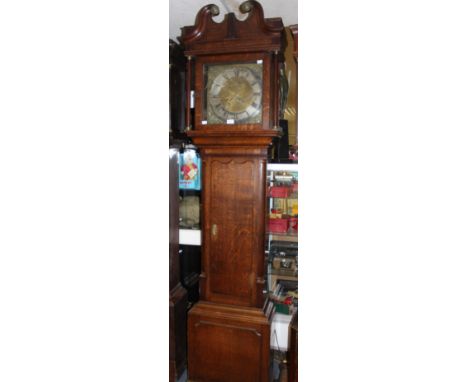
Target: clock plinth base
<point x="228" y="344"/>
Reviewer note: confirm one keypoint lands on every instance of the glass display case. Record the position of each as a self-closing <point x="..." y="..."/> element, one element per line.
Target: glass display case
<point x="189" y="173"/>
<point x="189" y="186"/>
<point x="282" y="228"/>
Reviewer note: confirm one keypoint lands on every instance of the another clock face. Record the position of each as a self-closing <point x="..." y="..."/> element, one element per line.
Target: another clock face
<point x="233" y="93"/>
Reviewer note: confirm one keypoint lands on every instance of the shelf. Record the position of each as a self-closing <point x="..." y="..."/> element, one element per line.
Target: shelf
<point x="284" y="272"/>
<point x="190" y="236"/>
<point x="283" y="236"/>
<point x="282" y="167"/>
<point x="292" y="196"/>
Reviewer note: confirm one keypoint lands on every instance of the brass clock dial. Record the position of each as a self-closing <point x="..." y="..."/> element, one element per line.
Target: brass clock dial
<point x="233" y="94"/>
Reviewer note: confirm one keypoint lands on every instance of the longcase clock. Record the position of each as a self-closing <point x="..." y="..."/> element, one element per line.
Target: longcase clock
<point x="232" y="69"/>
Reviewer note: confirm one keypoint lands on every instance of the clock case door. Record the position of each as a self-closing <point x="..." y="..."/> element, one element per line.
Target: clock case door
<point x="237" y="58"/>
<point x="234" y="226"/>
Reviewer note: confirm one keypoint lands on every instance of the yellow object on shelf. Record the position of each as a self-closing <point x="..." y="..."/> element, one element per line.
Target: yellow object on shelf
<point x="292" y="206"/>
<point x="293" y="294"/>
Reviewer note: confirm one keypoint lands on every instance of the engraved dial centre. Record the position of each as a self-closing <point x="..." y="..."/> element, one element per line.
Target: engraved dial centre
<point x="236" y="95"/>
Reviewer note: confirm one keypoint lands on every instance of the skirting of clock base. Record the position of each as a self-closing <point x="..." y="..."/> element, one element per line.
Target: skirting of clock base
<point x="228" y="344"/>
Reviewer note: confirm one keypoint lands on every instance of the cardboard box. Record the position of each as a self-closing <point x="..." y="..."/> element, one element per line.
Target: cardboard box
<point x="278" y="225"/>
<point x="280" y="191"/>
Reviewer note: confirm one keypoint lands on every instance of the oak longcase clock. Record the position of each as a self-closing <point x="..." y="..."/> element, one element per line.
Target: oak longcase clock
<point x="232" y="73"/>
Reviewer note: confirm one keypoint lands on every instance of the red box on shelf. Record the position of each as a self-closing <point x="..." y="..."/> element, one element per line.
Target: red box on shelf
<point x="278" y="225"/>
<point x="280" y="191"/>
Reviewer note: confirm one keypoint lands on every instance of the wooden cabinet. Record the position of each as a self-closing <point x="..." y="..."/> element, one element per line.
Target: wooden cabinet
<point x="177" y="293"/>
<point x="176" y="91"/>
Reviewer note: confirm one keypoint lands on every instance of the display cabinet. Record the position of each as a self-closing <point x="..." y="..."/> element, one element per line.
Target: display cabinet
<point x="282" y="227"/>
<point x="189" y="219"/>
<point x="178" y="296"/>
<point x="177" y="293"/>
<point x="282" y="260"/>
